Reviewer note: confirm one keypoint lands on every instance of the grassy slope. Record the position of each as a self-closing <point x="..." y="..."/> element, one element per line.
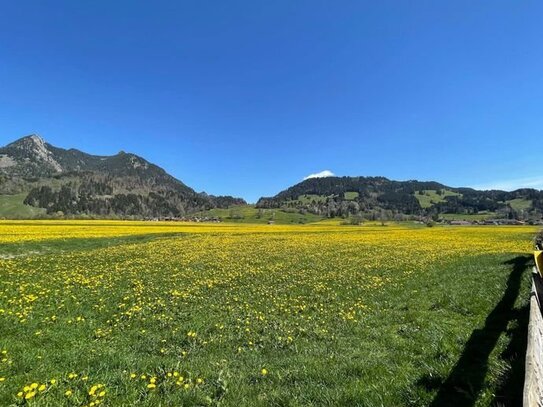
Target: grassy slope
<point x="308" y="198"/>
<point x="12" y="206"/>
<point x="520" y="204"/>
<point x="350" y="195"/>
<point x="431" y="197"/>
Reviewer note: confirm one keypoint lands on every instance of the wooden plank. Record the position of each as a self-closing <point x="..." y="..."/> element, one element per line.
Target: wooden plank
<point x="533" y="381"/>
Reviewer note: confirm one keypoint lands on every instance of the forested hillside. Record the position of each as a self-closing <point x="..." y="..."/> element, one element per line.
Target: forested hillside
<point x="71" y="182"/>
<point x="344" y="196"/>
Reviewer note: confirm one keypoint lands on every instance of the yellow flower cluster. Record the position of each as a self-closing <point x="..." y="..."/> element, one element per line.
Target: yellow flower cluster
<point x="169" y="378"/>
<point x="31" y="390"/>
<point x="97" y="393"/>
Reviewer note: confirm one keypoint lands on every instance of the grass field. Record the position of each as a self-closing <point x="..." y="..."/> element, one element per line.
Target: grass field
<point x="12" y="206"/>
<point x="349" y="196"/>
<point x="520" y="204"/>
<point x="308" y="198"/>
<point x="469" y="217"/>
<point x="250" y="214"/>
<point x="162" y="314"/>
<point x="430" y="197"/>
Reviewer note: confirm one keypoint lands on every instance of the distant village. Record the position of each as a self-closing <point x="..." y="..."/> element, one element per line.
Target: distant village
<point x="489" y="222"/>
<point x="493" y="222"/>
<point x="199" y="219"/>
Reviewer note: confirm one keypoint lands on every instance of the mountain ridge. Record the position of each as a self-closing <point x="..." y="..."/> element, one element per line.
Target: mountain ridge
<point x="346" y="196"/>
<point x="70" y="181"/>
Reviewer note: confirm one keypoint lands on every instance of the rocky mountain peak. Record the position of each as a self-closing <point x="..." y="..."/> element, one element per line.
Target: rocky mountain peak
<point x="36" y="139"/>
<point x="34" y="147"/>
<point x="28" y="142"/>
<point x="74" y="182"/>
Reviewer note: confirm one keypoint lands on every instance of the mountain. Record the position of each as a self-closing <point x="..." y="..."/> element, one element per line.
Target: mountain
<point x="344" y="196"/>
<point x="77" y="183"/>
<point x="46" y="180"/>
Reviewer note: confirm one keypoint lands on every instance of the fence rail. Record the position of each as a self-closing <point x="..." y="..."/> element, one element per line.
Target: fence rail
<point x="533" y="381"/>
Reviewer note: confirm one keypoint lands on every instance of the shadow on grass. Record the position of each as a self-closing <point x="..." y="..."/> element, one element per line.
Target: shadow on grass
<point x="467" y="377"/>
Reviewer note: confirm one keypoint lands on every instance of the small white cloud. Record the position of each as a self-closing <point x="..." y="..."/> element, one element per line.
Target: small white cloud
<point x="512" y="184"/>
<point x="322" y="174"/>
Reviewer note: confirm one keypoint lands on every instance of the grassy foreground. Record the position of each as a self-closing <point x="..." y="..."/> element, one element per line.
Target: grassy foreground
<point x="124" y="313"/>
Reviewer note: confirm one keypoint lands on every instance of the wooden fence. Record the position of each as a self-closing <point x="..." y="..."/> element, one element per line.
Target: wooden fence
<point x="533" y="382"/>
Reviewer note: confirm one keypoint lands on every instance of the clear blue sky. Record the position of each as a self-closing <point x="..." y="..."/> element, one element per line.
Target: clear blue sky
<point x="248" y="97"/>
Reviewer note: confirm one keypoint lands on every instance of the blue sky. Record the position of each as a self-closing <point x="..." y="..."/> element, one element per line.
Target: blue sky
<point x="249" y="97"/>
